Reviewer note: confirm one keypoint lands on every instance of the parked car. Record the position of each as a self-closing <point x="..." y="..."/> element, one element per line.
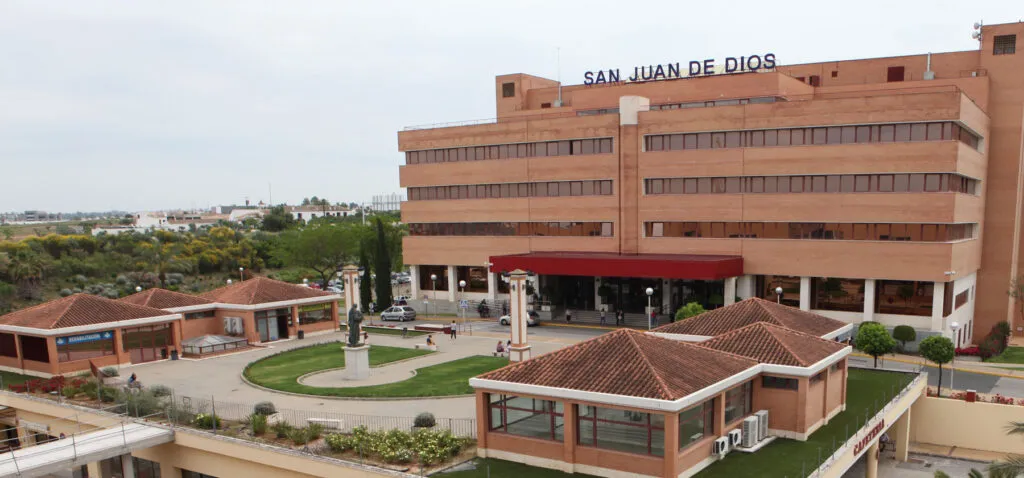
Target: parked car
<point x="334" y="290"/>
<point x="399" y="312"/>
<point x="401" y="300"/>
<point x="532" y="318"/>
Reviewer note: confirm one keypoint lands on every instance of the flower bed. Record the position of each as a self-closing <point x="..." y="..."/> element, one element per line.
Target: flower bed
<point x="969" y="351"/>
<point x="983" y="398"/>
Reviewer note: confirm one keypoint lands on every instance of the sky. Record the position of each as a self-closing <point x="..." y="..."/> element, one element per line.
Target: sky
<point x="148" y="105"/>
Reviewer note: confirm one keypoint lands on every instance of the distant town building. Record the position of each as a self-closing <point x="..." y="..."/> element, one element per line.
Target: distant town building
<point x="387" y="202"/>
<point x="307" y="213"/>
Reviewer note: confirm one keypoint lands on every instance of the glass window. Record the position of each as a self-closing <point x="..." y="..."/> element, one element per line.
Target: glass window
<point x="738" y="401"/>
<point x="903" y="297"/>
<point x="85" y="346"/>
<point x="779" y="382"/>
<point x="621" y="430"/>
<point x="8" y="346"/>
<point x="527" y="417"/>
<point x="696" y="423"/>
<point x="833" y="293"/>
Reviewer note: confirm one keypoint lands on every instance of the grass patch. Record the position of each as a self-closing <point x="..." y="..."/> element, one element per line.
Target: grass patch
<point x="866" y="390"/>
<point x="1010" y="355"/>
<point x="11" y="378"/>
<point x="507" y="469"/>
<point x="282" y="371"/>
<point x="389" y="331"/>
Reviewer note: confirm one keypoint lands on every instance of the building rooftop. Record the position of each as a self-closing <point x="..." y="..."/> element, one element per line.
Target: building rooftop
<point x="164" y="299"/>
<point x="750" y="311"/>
<point x="261" y="290"/>
<point x="770" y="343"/>
<point x="627" y="363"/>
<point x="78" y="310"/>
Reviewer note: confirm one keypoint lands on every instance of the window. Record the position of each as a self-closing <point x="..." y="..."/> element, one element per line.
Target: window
<point x="508" y="90"/>
<point x="961" y="299"/>
<point x="835" y="74"/>
<point x="145" y="468"/>
<point x="603" y="229"/>
<point x="1004" y="45"/>
<point x="192" y="474"/>
<point x="85" y="346"/>
<point x="779" y="383"/>
<point x="738" y="402"/>
<point x="34" y="348"/>
<point x="8" y="347"/>
<point x="313" y="313"/>
<point x="903" y="297"/>
<point x="529" y="417"/>
<point x="817" y="231"/>
<point x="696" y="423"/>
<point x="895" y="73"/>
<point x="475" y="277"/>
<point x="204" y="314"/>
<point x="621" y="430"/>
<point x="441" y="272"/>
<point x="833" y="293"/>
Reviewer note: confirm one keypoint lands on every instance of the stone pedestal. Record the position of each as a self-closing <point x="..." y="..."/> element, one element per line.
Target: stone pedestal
<point x="357" y="362"/>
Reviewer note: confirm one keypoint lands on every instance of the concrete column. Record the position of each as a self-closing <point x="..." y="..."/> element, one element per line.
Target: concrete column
<point x="902" y="431"/>
<point x="168" y="470"/>
<point x="730" y="290"/>
<point x="805" y="293"/>
<point x="871" y="470"/>
<point x="938" y="292"/>
<point x="597" y="296"/>
<point x="414" y="282"/>
<point x="869" y="300"/>
<point x="492" y="287"/>
<point x="520" y="349"/>
<point x="453" y="283"/>
<point x="671" y="444"/>
<point x="666" y="298"/>
<point x="94" y="469"/>
<point x="746" y="286"/>
<point x="127" y="465"/>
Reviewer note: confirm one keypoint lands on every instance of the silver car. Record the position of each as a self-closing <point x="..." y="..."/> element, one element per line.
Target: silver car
<point x="399" y="312"/>
<point x="532" y="318"/>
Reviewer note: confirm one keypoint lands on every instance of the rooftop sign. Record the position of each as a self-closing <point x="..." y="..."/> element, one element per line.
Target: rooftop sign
<point x="669" y="71"/>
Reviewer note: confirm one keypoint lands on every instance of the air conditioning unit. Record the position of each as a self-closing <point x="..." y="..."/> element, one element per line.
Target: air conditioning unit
<point x="762" y="424"/>
<point x="735" y="438"/>
<point x="751" y="432"/>
<point x="721" y="447"/>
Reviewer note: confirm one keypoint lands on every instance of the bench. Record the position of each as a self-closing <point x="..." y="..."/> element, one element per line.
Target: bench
<point x="432" y="348"/>
<point x="327" y="423"/>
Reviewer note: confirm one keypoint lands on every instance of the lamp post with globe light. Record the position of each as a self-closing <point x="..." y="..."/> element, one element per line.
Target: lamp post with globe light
<point x="956" y="327"/>
<point x="433" y="288"/>
<point x="241" y="274"/>
<point x="778" y="295"/>
<point x="650" y="292"/>
<point x="462" y="310"/>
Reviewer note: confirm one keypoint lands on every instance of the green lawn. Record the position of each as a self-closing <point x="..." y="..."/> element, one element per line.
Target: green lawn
<point x="1010" y="355"/>
<point x="507" y="469"/>
<point x="281" y="372"/>
<point x="11" y="378"/>
<point x="866" y="390"/>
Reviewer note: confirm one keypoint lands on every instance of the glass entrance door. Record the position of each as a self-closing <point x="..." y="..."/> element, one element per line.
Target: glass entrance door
<point x="147" y="343"/>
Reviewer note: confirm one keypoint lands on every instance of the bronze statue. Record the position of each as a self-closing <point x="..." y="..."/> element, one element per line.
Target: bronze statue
<point x="355" y="317"/>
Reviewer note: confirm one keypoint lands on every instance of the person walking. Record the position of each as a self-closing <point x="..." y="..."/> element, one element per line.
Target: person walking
<point x="568" y="315"/>
<point x="453" y="334"/>
<point x="603" y="314"/>
<point x="620" y="317"/>
<point x="654" y="317"/>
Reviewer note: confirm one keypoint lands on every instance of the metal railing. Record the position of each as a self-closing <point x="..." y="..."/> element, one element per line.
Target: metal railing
<point x="206" y="349"/>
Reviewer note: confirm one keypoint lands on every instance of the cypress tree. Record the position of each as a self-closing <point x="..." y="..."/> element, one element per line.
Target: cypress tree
<point x="365" y="283"/>
<point x="382" y="268"/>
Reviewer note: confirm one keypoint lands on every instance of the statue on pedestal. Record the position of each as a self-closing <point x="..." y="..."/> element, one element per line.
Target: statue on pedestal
<point x="355" y="317"/>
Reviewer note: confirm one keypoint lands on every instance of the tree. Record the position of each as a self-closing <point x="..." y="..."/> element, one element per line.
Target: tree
<point x="365" y="282"/>
<point x="325" y="249"/>
<point x="904" y="333"/>
<point x="7" y="232"/>
<point x="689" y="310"/>
<point x="382" y="267"/>
<point x="939" y="350"/>
<point x="277" y="219"/>
<point x="163" y="257"/>
<point x="1016" y="292"/>
<point x="1012" y="465"/>
<point x="873" y="340"/>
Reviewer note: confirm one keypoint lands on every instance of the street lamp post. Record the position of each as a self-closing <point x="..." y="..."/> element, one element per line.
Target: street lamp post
<point x="433" y="288"/>
<point x="229" y="281"/>
<point x="138" y="288"/>
<point x="778" y="295"/>
<point x="241" y="274"/>
<point x="462" y="293"/>
<point x="650" y="292"/>
<point x="955" y="326"/>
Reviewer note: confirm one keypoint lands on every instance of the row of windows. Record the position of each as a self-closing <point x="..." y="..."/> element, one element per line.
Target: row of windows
<point x="554" y="229"/>
<point x="513" y="190"/>
<point x="507" y="151"/>
<point x="885" y="133"/>
<point x="833" y="183"/>
<point x="708" y="104"/>
<point x="813" y="230"/>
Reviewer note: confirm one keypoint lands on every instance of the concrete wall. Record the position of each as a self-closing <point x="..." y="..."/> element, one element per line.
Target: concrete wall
<point x="940" y="421"/>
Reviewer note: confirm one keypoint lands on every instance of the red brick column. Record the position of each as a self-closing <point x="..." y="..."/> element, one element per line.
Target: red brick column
<point x="569" y="431"/>
<point x="51" y="347"/>
<point x="482" y="414"/>
<point x="671" y="444"/>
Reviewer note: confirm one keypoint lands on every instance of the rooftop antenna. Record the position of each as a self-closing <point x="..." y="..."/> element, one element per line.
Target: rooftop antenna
<point x="558" y="52"/>
<point x="270" y="195"/>
<point x="977" y="30"/>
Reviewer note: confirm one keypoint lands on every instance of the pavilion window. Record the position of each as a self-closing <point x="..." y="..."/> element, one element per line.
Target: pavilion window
<point x="621" y="430"/>
<point x="696" y="423"/>
<point x="738" y="402"/>
<point x="524" y="416"/>
<point x="69" y="352"/>
<point x="8" y="346"/>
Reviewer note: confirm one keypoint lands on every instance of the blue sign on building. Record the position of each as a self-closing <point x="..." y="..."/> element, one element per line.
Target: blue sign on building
<point x="81" y="339"/>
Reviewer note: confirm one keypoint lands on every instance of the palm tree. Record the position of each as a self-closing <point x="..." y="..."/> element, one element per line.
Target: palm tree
<point x="1013" y="465"/>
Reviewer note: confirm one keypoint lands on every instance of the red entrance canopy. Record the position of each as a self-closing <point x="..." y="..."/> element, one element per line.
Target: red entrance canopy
<point x="655" y="266"/>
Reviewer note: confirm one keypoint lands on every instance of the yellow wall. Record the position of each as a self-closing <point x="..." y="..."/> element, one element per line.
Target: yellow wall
<point x="940" y="421"/>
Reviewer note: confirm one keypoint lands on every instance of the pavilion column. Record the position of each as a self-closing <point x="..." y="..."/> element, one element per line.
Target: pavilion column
<point x="938" y="293"/>
<point x="805" y="293"/>
<point x="569" y="435"/>
<point x="414" y="282"/>
<point x="492" y="287"/>
<point x="902" y="431"/>
<point x="94" y="469"/>
<point x="730" y="291"/>
<point x="746" y="286"/>
<point x="869" y="300"/>
<point x="671" y="454"/>
<point x="483" y="414"/>
<point x="51" y="348"/>
<point x="597" y="295"/>
<point x="350" y="274"/>
<point x="176" y="335"/>
<point x="127" y="465"/>
<point x="453" y="283"/>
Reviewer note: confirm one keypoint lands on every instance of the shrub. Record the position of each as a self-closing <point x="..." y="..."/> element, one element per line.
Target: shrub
<point x="1001" y="329"/>
<point x="299" y="436"/>
<point x="65" y="292"/>
<point x="990" y="347"/>
<point x="143" y="403"/>
<point x="111" y="371"/>
<point x="424" y="420"/>
<point x="392" y="446"/>
<point x="436" y="446"/>
<point x="207" y="421"/>
<point x="160" y="390"/>
<point x="314" y="430"/>
<point x="281" y="429"/>
<point x="339" y="443"/>
<point x="264" y="408"/>
<point x="69" y="392"/>
<point x="89" y="388"/>
<point x="258" y="423"/>
<point x="904" y="333"/>
<point x="108" y="394"/>
<point x="689" y="310"/>
<point x="970" y="351"/>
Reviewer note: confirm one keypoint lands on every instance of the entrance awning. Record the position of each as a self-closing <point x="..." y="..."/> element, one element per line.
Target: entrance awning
<point x="655" y="266"/>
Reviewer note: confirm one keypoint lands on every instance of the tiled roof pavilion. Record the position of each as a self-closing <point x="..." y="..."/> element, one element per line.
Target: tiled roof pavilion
<point x="76" y="311"/>
<point x="735" y="316"/>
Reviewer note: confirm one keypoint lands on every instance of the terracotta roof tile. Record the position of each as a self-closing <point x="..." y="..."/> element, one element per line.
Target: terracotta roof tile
<point x="731" y="317"/>
<point x="164" y="299"/>
<point x="627" y="362"/>
<point x="261" y="290"/>
<point x="77" y="310"/>
<point x="769" y="343"/>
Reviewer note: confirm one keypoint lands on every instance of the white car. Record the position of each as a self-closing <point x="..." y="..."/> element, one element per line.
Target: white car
<point x="532" y="318"/>
<point x="334" y="290"/>
<point x="399" y="312"/>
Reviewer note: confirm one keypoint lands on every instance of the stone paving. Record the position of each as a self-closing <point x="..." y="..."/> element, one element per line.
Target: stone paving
<point x="220" y="377"/>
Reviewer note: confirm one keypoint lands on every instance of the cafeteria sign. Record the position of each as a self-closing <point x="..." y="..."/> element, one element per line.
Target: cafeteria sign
<point x="81" y="339"/>
<point x="315" y="307"/>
